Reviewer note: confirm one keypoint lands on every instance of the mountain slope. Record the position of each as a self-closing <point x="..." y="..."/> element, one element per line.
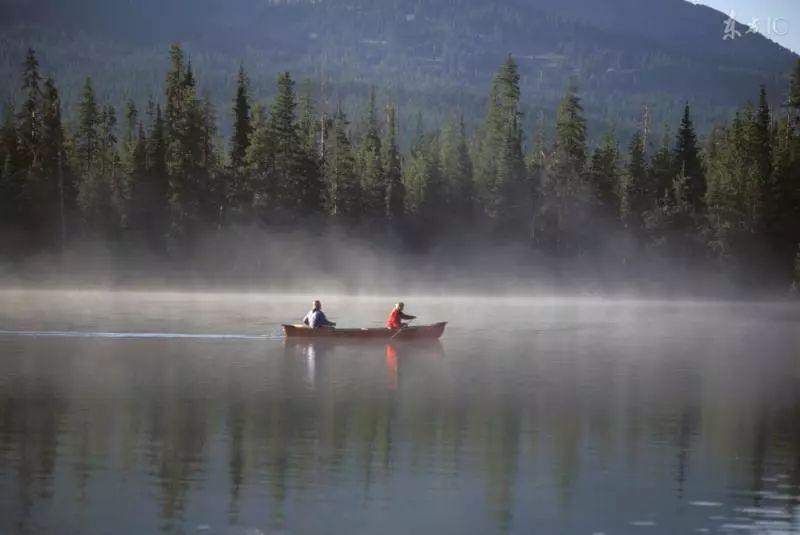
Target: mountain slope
<point x="434" y="55"/>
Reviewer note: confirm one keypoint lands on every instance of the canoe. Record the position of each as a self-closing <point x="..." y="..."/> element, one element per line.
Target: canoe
<point x="416" y="332"/>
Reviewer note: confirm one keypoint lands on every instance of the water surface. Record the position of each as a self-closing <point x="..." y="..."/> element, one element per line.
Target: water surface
<point x="187" y="413"/>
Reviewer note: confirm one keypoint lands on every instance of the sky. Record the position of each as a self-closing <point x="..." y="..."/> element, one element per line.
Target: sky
<point x="777" y="19"/>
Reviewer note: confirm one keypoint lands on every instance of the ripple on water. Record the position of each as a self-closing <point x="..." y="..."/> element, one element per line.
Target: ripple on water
<point x="706" y="504"/>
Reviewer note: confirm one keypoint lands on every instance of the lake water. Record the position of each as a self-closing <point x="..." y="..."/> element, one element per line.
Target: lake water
<point x="548" y="416"/>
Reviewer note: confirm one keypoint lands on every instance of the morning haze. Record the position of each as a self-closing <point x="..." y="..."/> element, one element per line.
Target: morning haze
<point x="452" y="267"/>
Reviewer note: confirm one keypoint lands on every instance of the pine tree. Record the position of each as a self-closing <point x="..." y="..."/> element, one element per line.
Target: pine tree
<point x="188" y="77"/>
<point x="10" y="187"/>
<point x="186" y="158"/>
<point x="373" y="186"/>
<point x="536" y="163"/>
<point x="414" y="183"/>
<point x="796" y="271"/>
<point x="433" y="198"/>
<point x="687" y="160"/>
<point x="343" y="192"/>
<point x="55" y="195"/>
<point x="110" y="169"/>
<point x="763" y="141"/>
<point x="564" y="197"/>
<point x="259" y="191"/>
<point x="309" y="123"/>
<point x="142" y="200"/>
<point x="297" y="186"/>
<point x="395" y="192"/>
<point x="637" y="194"/>
<point x="794" y="89"/>
<point x="132" y="170"/>
<point x="241" y="120"/>
<point x="156" y="192"/>
<point x="29" y="120"/>
<point x="457" y="170"/>
<point x="211" y="194"/>
<point x="502" y="186"/>
<point x="785" y="189"/>
<point x="87" y="139"/>
<point x="669" y="221"/>
<point x="662" y="167"/>
<point x="512" y="203"/>
<point x="418" y="140"/>
<point x="157" y="157"/>
<point x="604" y="176"/>
<point x="94" y="187"/>
<point x="174" y="91"/>
<point x="767" y="200"/>
<point x="571" y="132"/>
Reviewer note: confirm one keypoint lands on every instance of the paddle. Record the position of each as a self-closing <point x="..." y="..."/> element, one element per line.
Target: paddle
<point x="401" y="329"/>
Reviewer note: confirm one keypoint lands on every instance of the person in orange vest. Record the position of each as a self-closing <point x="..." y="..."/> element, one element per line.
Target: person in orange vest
<point x="396" y="318"/>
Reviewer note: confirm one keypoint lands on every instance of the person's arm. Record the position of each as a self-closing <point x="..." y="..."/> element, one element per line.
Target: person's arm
<point x="305" y="320"/>
<point x="324" y="320"/>
<point x="407" y="317"/>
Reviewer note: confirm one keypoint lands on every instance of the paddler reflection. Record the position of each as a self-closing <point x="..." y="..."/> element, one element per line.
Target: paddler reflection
<point x="399" y="353"/>
<point x="312" y="356"/>
<point x="391" y="366"/>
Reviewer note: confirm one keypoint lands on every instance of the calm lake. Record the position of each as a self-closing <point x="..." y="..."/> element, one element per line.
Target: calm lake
<point x="549" y="416"/>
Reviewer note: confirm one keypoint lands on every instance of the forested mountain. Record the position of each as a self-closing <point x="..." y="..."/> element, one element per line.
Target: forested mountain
<point x="413" y="130"/>
<point x="434" y="56"/>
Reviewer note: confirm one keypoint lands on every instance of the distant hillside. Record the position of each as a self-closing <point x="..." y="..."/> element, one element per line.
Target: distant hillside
<point x="434" y="55"/>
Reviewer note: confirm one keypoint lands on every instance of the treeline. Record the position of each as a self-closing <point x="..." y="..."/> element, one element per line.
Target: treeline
<point x="161" y="176"/>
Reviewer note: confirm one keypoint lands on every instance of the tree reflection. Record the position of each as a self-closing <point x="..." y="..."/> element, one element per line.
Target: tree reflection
<point x="279" y="430"/>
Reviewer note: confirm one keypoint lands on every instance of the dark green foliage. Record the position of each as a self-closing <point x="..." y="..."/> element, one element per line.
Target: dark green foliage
<point x="95" y="162"/>
<point x="457" y="170"/>
<point x="687" y="160"/>
<point x="342" y="186"/>
<point x="87" y="138"/>
<point x="295" y="179"/>
<point x="258" y="190"/>
<point x="625" y="51"/>
<point x="794" y="88"/>
<point x="370" y="163"/>
<point x="662" y="167"/>
<point x="29" y="119"/>
<point x="604" y="176"/>
<point x="501" y="176"/>
<point x="395" y="192"/>
<point x="241" y="121"/>
<point x="55" y="194"/>
<point x="424" y="186"/>
<point x="671" y="224"/>
<point x="11" y="211"/>
<point x="564" y="195"/>
<point x="638" y="195"/>
<point x="286" y="143"/>
<point x="796" y="274"/>
<point x="163" y="179"/>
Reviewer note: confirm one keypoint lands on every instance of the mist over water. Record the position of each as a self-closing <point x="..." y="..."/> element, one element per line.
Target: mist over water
<point x="335" y="260"/>
<point x="137" y="412"/>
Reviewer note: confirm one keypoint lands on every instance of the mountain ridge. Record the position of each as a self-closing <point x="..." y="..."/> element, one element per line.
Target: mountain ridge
<point x="424" y="56"/>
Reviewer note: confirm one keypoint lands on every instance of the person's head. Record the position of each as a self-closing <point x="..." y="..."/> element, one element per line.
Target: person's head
<point x="400" y="306"/>
<point x="317" y="305"/>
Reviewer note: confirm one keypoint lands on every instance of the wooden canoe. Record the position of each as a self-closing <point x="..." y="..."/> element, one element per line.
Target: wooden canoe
<point x="416" y="332"/>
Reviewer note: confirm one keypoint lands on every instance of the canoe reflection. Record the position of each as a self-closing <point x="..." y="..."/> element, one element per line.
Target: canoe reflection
<point x="315" y="353"/>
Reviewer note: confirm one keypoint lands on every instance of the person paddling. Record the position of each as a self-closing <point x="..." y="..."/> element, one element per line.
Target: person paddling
<point x="397" y="316"/>
<point x="316" y="317"/>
